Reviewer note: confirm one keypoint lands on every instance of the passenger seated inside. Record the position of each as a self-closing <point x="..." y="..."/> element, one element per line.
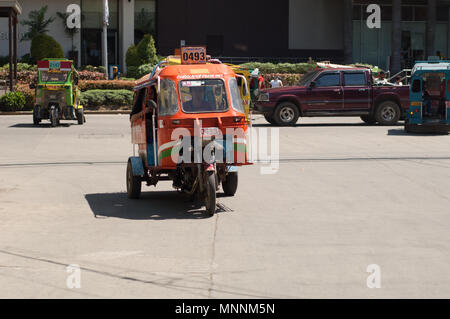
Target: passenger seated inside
<point x="426" y="98"/>
<point x="433" y="95"/>
<point x="138" y="101"/>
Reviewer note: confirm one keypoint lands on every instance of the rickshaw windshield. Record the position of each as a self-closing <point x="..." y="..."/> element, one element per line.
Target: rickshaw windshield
<point x="202" y="96"/>
<point x="236" y="100"/>
<point x="47" y="76"/>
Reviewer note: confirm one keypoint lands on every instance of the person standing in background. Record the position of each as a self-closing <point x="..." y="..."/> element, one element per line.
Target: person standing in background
<point x="276" y="82"/>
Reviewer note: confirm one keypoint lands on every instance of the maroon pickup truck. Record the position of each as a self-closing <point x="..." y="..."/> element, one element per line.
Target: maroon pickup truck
<point x="334" y="92"/>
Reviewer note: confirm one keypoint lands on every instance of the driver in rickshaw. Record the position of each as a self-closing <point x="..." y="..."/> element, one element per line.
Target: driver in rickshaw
<point x="198" y="101"/>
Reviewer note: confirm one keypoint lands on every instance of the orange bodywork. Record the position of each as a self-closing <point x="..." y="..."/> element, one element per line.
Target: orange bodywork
<point x="211" y="122"/>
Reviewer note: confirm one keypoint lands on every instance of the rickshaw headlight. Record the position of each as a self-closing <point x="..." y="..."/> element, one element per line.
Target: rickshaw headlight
<point x="263" y="97"/>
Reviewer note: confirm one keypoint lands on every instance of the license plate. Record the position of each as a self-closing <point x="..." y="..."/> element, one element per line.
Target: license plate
<point x="211" y="131"/>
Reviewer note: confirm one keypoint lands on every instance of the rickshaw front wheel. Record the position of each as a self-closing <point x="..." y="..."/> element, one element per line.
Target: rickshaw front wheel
<point x="230" y="184"/>
<point x="210" y="198"/>
<point x="80" y="116"/>
<point x="54" y="117"/>
<point x="134" y="183"/>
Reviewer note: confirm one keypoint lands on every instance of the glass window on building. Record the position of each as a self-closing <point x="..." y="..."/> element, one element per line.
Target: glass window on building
<point x="144" y="19"/>
<point x="91" y="32"/>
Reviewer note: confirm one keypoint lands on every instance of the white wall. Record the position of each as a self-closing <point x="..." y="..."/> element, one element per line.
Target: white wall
<point x="316" y="25"/>
<point x="56" y="29"/>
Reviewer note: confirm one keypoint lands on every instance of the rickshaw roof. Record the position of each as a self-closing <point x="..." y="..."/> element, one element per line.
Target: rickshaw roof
<point x="196" y="70"/>
<point x="423" y="66"/>
<point x="186" y="72"/>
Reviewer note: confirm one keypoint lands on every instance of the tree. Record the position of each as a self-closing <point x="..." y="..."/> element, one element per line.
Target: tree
<point x="147" y="51"/>
<point x="44" y="46"/>
<point x="37" y="23"/>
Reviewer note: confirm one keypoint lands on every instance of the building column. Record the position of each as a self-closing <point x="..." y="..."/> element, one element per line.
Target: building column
<point x="10" y="35"/>
<point x="396" y="36"/>
<point x="126" y="27"/>
<point x="431" y="28"/>
<point x="348" y="31"/>
<point x="15" y="47"/>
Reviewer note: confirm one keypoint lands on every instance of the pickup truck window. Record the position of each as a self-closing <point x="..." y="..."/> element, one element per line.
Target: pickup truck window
<point x="328" y="79"/>
<point x="307" y="77"/>
<point x="355" y="79"/>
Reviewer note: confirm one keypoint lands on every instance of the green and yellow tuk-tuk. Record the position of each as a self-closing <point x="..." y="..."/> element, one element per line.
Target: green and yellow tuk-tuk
<point x="57" y="93"/>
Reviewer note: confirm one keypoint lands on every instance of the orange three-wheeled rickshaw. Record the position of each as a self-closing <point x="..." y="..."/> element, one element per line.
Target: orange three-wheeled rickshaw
<point x="189" y="126"/>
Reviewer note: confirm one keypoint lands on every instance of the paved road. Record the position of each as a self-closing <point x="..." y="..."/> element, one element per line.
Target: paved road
<point x="346" y="195"/>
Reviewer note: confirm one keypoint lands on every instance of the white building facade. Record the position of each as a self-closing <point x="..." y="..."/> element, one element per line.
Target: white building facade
<point x="122" y="29"/>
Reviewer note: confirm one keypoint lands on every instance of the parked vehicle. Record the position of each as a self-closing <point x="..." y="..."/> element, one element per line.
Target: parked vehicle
<point x="188" y="123"/>
<point x="429" y="109"/>
<point x="334" y="92"/>
<point x="57" y="93"/>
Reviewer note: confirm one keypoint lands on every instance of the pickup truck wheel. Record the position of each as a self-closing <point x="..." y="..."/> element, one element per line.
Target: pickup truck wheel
<point x="269" y="119"/>
<point x="368" y="119"/>
<point x="286" y="114"/>
<point x="388" y="113"/>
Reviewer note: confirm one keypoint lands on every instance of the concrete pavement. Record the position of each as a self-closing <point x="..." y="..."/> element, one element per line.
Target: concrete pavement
<point x="346" y="195"/>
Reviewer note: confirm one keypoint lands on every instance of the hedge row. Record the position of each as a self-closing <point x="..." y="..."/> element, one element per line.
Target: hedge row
<point x="95" y="98"/>
<point x="281" y="68"/>
<point x="12" y="102"/>
<point x="87" y="85"/>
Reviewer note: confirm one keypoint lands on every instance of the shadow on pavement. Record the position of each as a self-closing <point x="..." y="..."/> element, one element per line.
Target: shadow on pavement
<point x="402" y="132"/>
<point x="41" y="125"/>
<point x="314" y="125"/>
<point x="152" y="205"/>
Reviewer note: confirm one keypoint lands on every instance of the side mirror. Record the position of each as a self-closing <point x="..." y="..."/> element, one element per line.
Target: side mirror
<point x="312" y="84"/>
<point x="32" y="86"/>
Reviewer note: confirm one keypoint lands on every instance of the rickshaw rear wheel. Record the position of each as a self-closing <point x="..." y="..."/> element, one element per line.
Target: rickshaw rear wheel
<point x="36" y="121"/>
<point x="80" y="116"/>
<point x="210" y="198"/>
<point x="134" y="183"/>
<point x="54" y="117"/>
<point x="230" y="184"/>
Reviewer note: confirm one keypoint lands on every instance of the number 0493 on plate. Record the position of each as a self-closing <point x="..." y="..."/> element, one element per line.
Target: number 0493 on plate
<point x="193" y="55"/>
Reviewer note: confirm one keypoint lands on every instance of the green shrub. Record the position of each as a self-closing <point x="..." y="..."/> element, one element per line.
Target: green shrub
<point x="132" y="57"/>
<point x="4" y="60"/>
<point x="147" y="51"/>
<point x="140" y="71"/>
<point x="142" y="54"/>
<point x="22" y="67"/>
<point x="44" y="46"/>
<point x="284" y="68"/>
<point x="12" y="101"/>
<point x="26" y="58"/>
<point x="93" y="98"/>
